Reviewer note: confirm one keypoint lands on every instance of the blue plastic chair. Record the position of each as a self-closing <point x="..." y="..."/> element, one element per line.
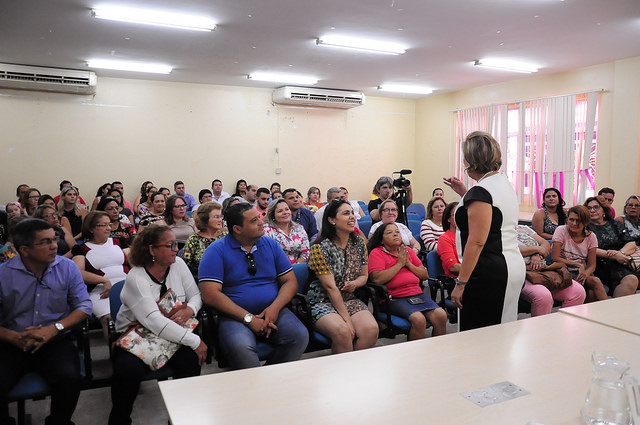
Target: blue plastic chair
<point x="417" y="209"/>
<point x="414" y="226"/>
<point x="364" y="207"/>
<point x="438" y="280"/>
<point x="365" y="224"/>
<point x="302" y="309"/>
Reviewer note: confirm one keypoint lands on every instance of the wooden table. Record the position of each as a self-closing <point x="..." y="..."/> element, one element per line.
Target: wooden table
<point x="621" y="313"/>
<point x="415" y="382"/>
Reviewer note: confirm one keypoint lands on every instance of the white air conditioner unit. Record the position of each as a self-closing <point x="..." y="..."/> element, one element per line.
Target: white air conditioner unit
<point x="326" y="98"/>
<point x="23" y="77"/>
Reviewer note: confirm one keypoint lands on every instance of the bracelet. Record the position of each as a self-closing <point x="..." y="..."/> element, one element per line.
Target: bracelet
<point x="460" y="282"/>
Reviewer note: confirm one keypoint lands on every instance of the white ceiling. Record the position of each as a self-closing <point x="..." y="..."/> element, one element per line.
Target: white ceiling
<point x="443" y="38"/>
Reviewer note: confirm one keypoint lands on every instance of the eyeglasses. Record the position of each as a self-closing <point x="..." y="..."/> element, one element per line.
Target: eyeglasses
<point x="173" y="245"/>
<point x="593" y="208"/>
<point x="389" y="210"/>
<point x="180" y="206"/>
<point x="216" y="217"/>
<point x="633" y="205"/>
<point x="47" y="241"/>
<point x="103" y="225"/>
<point x="34" y="197"/>
<point x="51" y="215"/>
<point x="253" y="268"/>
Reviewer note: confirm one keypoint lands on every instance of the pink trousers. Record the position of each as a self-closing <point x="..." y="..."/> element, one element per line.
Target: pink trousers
<point x="541" y="298"/>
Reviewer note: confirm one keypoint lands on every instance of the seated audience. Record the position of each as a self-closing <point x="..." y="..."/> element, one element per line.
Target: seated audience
<point x="249" y="280"/>
<point x="65" y="238"/>
<point x="608" y="194"/>
<point x="401" y="271"/>
<point x="21" y="193"/>
<point x="438" y="192"/>
<point x="14" y="209"/>
<point x="142" y="198"/>
<point x="117" y="185"/>
<point x="32" y="327"/>
<point x="156" y="270"/>
<point x="357" y="209"/>
<point x="122" y="231"/>
<point x="447" y="249"/>
<point x="431" y="228"/>
<point x="313" y="199"/>
<point x="67" y="183"/>
<point x="102" y="191"/>
<point x="241" y="188"/>
<point x="208" y="220"/>
<point x="165" y="191"/>
<point x="156" y="212"/>
<point x="545" y="282"/>
<point x="203" y="196"/>
<point x="275" y="187"/>
<point x="225" y="206"/>
<point x="218" y="194"/>
<point x="339" y="261"/>
<point x="631" y="218"/>
<point x="47" y="200"/>
<point x="250" y="195"/>
<point x="8" y="250"/>
<point x="72" y="210"/>
<point x="263" y="196"/>
<point x="290" y="235"/>
<point x="615" y="247"/>
<point x="176" y="218"/>
<point x="575" y="246"/>
<point x="383" y="190"/>
<point x="145" y="203"/>
<point x="125" y="214"/>
<point x="300" y="214"/>
<point x="332" y="193"/>
<point x="178" y="187"/>
<point x="31" y="201"/>
<point x="388" y="212"/>
<point x="546" y="220"/>
<point x="101" y="262"/>
<point x="276" y="195"/>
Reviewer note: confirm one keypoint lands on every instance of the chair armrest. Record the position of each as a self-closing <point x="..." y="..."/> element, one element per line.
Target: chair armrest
<point x="381" y="298"/>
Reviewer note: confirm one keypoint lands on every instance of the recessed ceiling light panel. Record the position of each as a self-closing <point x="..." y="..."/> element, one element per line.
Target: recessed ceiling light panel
<point x="405" y="88"/>
<point x="119" y="65"/>
<point x="507" y="65"/>
<point x="275" y="77"/>
<point x="361" y="44"/>
<point x="154" y="17"/>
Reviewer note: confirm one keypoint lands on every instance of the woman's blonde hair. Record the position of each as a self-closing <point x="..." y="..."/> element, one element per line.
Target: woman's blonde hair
<point x="482" y="153"/>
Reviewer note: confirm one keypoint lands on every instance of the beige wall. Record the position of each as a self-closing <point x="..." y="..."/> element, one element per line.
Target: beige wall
<point x="135" y="130"/>
<point x="618" y="156"/>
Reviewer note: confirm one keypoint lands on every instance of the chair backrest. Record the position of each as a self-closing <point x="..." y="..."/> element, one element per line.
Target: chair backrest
<point x="114" y="299"/>
<point x="434" y="264"/>
<point x="365" y="224"/>
<point x="418" y="209"/>
<point x="414" y="226"/>
<point x="364" y="207"/>
<point x="302" y="274"/>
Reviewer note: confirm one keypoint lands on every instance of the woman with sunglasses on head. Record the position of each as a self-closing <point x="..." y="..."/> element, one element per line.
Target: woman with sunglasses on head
<point x="631" y="217"/>
<point x="125" y="214"/>
<point x="65" y="239"/>
<point x="101" y="262"/>
<point x="339" y="260"/>
<point x="156" y="269"/>
<point x="140" y="199"/>
<point x="176" y="217"/>
<point x="121" y="228"/>
<point x="546" y="220"/>
<point x="615" y="247"/>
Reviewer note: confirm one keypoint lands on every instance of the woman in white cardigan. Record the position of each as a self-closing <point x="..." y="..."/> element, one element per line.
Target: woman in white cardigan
<point x="157" y="269"/>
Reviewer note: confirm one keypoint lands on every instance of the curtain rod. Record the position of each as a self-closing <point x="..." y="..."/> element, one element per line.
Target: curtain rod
<point x="529" y="100"/>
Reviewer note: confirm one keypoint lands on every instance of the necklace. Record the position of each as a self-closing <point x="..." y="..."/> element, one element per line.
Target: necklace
<point x="487" y="175"/>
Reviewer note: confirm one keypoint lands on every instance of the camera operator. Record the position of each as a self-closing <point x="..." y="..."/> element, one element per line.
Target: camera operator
<point x="384" y="190"/>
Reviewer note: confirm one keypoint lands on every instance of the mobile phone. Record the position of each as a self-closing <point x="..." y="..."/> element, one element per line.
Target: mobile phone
<point x="415" y="300"/>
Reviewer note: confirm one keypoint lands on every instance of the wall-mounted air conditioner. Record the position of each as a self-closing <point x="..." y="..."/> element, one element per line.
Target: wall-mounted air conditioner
<point x="23" y="77"/>
<point x="326" y="98"/>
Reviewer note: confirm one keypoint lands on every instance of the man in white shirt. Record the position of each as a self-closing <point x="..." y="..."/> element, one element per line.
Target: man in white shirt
<point x="218" y="194"/>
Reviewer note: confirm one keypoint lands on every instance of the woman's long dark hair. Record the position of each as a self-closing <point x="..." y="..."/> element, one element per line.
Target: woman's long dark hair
<point x="331" y="211"/>
<point x="376" y="239"/>
<point x="237" y="192"/>
<point x="562" y="217"/>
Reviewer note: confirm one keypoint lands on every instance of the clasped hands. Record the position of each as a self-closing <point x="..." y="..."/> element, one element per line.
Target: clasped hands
<point x="264" y="323"/>
<point x="34" y="337"/>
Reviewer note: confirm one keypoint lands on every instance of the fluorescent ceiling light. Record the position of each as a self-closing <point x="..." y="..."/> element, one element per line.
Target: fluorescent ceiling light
<point x="507" y="65"/>
<point x="371" y="46"/>
<point x="402" y="88"/>
<point x="282" y="78"/>
<point x="155" y="68"/>
<point x="154" y="17"/>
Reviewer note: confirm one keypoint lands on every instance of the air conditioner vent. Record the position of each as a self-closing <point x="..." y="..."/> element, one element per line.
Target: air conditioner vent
<point x="288" y="95"/>
<point x="47" y="79"/>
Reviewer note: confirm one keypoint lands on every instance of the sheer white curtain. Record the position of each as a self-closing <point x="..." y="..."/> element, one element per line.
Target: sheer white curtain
<point x="547" y="142"/>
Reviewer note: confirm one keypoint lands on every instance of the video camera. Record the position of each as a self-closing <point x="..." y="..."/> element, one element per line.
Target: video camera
<point x="401" y="182"/>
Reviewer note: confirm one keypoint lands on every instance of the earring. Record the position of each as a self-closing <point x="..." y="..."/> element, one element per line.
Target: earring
<point x="153" y="258"/>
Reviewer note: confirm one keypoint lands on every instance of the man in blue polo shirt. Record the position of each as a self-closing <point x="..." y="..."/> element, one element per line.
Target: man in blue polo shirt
<point x="41" y="296"/>
<point x="299" y="213"/>
<point x="249" y="279"/>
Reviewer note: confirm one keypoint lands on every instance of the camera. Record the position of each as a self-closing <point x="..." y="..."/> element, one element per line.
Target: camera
<point x="401" y="182"/>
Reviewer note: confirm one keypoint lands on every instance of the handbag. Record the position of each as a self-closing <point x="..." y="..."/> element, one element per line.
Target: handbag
<point x="634" y="262"/>
<point x="558" y="278"/>
<point x="153" y="350"/>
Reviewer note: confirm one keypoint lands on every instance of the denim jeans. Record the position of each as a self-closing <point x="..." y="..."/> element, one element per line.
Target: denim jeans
<point x="239" y="343"/>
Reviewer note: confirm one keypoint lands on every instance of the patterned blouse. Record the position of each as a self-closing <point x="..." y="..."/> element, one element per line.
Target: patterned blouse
<point x="151" y="219"/>
<point x="295" y="245"/>
<point x="194" y="248"/>
<point x="345" y="265"/>
<point x="124" y="234"/>
<point x="633" y="228"/>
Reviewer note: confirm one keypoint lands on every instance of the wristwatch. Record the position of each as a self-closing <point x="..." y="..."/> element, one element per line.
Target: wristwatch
<point x="248" y="318"/>
<point x="460" y="282"/>
<point x="59" y="326"/>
